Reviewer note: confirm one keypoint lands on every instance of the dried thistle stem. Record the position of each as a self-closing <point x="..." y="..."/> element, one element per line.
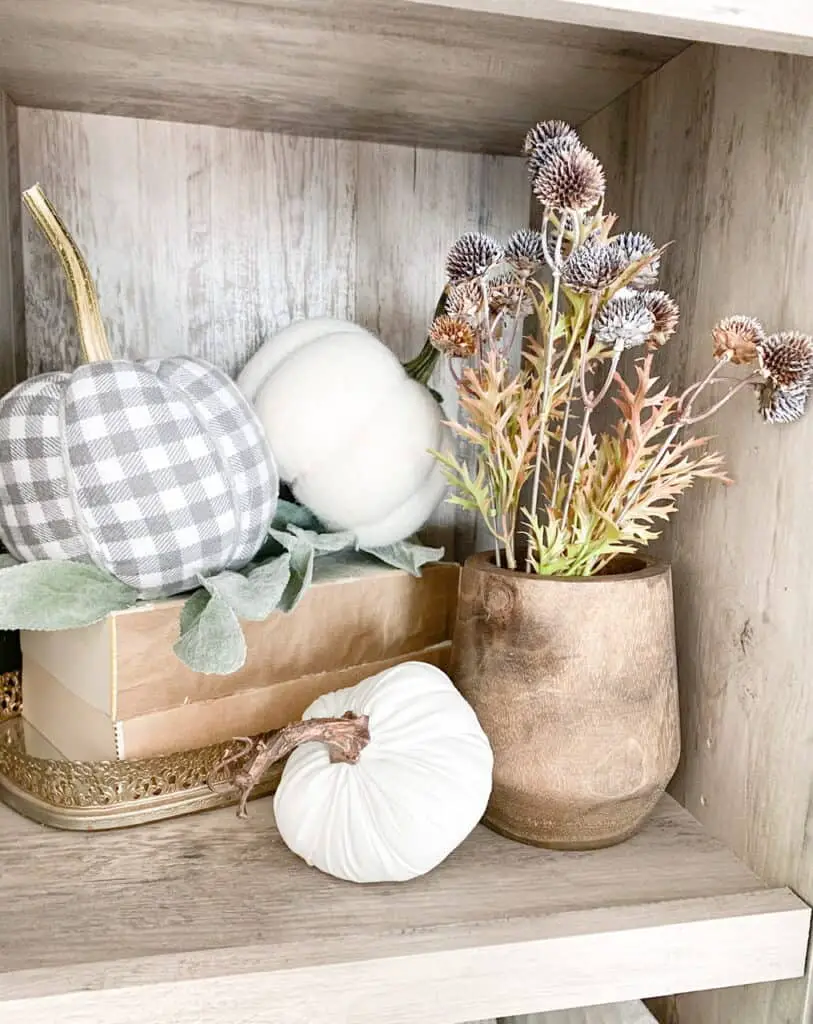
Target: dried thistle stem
<point x="589" y="402"/>
<point x="554" y="314"/>
<point x="562" y="443"/>
<point x="745" y="382"/>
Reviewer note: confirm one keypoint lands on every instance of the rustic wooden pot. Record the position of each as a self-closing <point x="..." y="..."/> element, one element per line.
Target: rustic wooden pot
<point x="574" y="681"/>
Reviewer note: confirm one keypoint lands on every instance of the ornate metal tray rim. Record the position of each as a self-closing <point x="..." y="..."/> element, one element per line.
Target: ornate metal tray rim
<point x="99" y="795"/>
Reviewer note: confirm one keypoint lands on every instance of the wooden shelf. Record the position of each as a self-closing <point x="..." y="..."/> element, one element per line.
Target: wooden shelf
<point x="381" y="70"/>
<point x="208" y="919"/>
<point x="786" y="27"/>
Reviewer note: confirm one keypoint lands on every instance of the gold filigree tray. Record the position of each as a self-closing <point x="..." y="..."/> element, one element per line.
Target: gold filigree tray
<point x="97" y="795"/>
<point x="11" y="695"/>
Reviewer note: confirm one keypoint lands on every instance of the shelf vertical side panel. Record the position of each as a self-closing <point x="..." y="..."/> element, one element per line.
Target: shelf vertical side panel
<point x="717" y="156"/>
<point x="12" y="311"/>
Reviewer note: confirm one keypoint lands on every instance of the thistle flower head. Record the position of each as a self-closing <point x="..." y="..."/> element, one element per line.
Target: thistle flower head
<point x="453" y="336"/>
<point x="511" y="297"/>
<point x="465" y="301"/>
<point x="571" y="179"/>
<point x="525" y="250"/>
<point x="740" y="337"/>
<point x="472" y="255"/>
<point x="625" y="321"/>
<point x="546" y="140"/>
<point x="666" y="313"/>
<point x="782" y="404"/>
<point x="592" y="266"/>
<point x="546" y="131"/>
<point x="636" y="246"/>
<point x="787" y="359"/>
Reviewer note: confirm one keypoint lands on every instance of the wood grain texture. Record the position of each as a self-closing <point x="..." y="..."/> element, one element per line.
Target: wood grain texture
<point x="206" y="919"/>
<point x="381" y="70"/>
<point x="12" y="315"/>
<point x="207" y="240"/>
<point x="617" y="1013"/>
<point x="727" y="174"/>
<point x="786" y="26"/>
<point x="575" y="685"/>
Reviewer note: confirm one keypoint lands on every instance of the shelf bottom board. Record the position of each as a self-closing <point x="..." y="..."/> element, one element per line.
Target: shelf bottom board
<point x="206" y="918"/>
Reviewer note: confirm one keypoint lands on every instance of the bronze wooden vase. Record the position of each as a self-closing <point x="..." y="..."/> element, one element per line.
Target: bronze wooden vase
<point x="574" y="681"/>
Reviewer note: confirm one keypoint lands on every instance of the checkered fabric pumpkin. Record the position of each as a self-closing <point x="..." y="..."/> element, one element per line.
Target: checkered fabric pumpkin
<point x="155" y="471"/>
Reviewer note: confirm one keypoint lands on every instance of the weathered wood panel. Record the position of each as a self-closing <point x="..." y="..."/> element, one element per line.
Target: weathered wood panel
<point x="785" y="26"/>
<point x="207" y="240"/>
<point x="718" y="154"/>
<point x="614" y="1013"/>
<point x="205" y="919"/>
<point x="383" y="70"/>
<point x="12" y="316"/>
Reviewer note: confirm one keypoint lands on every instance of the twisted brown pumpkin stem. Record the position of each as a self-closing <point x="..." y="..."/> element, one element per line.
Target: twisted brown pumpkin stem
<point x="92" y="336"/>
<point x="344" y="737"/>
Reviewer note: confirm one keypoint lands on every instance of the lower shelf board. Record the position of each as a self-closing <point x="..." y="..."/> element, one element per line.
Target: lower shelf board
<point x="615" y="1013"/>
<point x="206" y="919"/>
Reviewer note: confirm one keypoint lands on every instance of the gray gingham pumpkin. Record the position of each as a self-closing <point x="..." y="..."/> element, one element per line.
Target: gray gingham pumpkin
<point x="155" y="471"/>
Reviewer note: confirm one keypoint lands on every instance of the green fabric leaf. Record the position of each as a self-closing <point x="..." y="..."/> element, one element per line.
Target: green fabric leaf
<point x="344" y="565"/>
<point x="59" y="595"/>
<point x="213" y="641"/>
<point x="303" y="547"/>
<point x="193" y="609"/>
<point x="301" y="576"/>
<point x="256" y="594"/>
<point x="290" y="514"/>
<point x="302" y="559"/>
<point x="406" y="554"/>
<point x="325" y="543"/>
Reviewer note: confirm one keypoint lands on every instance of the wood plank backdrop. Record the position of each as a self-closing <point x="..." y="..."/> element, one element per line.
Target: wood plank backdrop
<point x="207" y="240"/>
<point x="716" y="152"/>
<point x="12" y="317"/>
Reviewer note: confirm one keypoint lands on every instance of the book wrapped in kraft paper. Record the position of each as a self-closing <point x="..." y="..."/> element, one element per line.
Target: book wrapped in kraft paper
<point x="115" y="690"/>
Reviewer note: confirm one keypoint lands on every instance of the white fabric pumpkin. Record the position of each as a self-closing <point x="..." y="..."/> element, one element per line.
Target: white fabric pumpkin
<point x="418" y="789"/>
<point x="350" y="431"/>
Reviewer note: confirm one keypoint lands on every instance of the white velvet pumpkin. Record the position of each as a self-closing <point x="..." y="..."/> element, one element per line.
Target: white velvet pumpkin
<point x="419" y="787"/>
<point x="350" y="431"/>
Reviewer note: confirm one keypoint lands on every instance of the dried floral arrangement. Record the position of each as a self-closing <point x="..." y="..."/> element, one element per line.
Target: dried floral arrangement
<point x="529" y="400"/>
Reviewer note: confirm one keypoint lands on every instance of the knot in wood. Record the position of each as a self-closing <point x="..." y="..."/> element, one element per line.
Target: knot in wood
<point x="499" y="601"/>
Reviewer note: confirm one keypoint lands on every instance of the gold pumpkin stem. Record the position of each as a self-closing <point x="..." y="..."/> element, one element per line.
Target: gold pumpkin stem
<point x="92" y="336"/>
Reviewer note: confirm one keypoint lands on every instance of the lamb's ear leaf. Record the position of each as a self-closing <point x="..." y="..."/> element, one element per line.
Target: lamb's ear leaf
<point x="290" y="514"/>
<point x="406" y="554"/>
<point x="59" y="595"/>
<point x="255" y="594"/>
<point x="302" y="558"/>
<point x="193" y="609"/>
<point x="212" y="641"/>
<point x="325" y="543"/>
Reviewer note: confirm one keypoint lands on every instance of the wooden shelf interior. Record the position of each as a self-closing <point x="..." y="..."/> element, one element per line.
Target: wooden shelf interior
<point x="210" y="908"/>
<point x="381" y="70"/>
<point x="286" y="158"/>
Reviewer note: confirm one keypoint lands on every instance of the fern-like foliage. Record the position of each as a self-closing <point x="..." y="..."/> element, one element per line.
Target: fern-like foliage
<point x="629" y="481"/>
